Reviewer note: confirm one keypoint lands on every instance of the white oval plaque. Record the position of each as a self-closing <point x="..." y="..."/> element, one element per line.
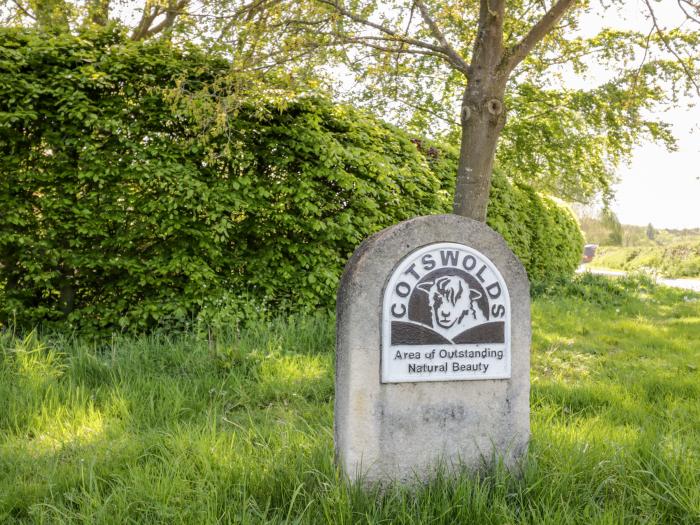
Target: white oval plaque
<point x="445" y="317"/>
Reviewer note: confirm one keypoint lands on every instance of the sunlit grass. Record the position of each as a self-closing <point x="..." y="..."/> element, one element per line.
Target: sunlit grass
<point x="236" y="426"/>
<point x="676" y="260"/>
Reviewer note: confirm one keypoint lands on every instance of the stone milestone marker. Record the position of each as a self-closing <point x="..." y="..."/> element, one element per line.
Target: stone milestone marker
<point x="432" y="353"/>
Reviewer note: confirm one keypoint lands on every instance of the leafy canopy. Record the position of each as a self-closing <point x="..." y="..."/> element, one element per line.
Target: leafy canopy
<point x="563" y="139"/>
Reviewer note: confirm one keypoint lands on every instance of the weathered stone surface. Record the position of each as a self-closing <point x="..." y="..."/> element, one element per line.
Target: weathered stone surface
<point x="401" y="431"/>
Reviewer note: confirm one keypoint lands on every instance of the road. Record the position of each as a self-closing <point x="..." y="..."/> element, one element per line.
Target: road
<point x="688" y="284"/>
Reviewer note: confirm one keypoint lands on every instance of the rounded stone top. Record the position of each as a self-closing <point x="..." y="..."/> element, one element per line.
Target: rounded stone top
<point x="395" y="242"/>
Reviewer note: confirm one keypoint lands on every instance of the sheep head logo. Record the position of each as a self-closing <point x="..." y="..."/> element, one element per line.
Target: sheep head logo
<point x="451" y="302"/>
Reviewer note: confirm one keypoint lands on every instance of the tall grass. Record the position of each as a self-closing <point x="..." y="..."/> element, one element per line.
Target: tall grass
<point x="236" y="427"/>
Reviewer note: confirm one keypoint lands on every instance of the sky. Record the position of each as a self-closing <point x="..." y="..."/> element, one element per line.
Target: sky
<point x="661" y="187"/>
<point x="658" y="186"/>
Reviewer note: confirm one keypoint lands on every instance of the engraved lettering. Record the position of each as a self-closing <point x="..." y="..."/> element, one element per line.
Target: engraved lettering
<point x="403" y="289"/>
<point x="481" y="271"/>
<point x="411" y="270"/>
<point x="449" y="258"/>
<point x="398" y="314"/>
<point x="469" y="263"/>
<point x="496" y="290"/>
<point x="446" y="317"/>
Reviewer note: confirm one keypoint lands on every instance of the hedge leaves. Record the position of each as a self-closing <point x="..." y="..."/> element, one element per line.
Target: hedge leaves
<point x="118" y="212"/>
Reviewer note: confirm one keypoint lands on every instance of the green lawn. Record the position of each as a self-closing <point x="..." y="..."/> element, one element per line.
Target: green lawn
<point x="182" y="429"/>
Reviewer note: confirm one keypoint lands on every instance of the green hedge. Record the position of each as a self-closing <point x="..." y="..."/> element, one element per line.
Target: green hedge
<point x="119" y="213"/>
<point x="545" y="235"/>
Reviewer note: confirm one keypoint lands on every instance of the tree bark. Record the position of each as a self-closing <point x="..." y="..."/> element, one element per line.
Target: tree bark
<point x="66" y="298"/>
<point x="481" y="128"/>
<point x="483" y="114"/>
<point x="153" y="10"/>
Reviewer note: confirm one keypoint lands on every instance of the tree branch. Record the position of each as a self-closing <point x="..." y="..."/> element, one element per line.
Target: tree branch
<point x="398" y="50"/>
<point x="23" y="10"/>
<point x="174" y="9"/>
<point x="150" y="12"/>
<point x="454" y="57"/>
<point x="517" y="53"/>
<point x="247" y="11"/>
<point x="395" y="35"/>
<point x="693" y="6"/>
<point x="644" y="59"/>
<point x="669" y="47"/>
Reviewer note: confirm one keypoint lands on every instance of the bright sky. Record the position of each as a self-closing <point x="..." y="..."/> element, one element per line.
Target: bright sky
<point x="658" y="186"/>
<point x="663" y="187"/>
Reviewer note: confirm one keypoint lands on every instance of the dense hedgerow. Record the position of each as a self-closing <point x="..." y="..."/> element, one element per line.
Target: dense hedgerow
<point x="119" y="213"/>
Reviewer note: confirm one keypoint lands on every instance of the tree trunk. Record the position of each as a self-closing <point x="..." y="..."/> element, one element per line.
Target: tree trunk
<point x="66" y="299"/>
<point x="483" y="114"/>
<point x="483" y="117"/>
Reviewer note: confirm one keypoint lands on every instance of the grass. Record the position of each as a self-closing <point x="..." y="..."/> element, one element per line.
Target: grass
<point x="238" y="429"/>
<point x="681" y="259"/>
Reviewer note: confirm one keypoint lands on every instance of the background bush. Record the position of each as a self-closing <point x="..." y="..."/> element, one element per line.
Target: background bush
<point x="119" y="212"/>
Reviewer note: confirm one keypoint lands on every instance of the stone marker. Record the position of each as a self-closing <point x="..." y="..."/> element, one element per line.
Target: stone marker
<point x="432" y="353"/>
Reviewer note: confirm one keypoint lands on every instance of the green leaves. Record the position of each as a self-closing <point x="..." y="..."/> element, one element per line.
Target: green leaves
<point x="124" y="213"/>
<point x="121" y="211"/>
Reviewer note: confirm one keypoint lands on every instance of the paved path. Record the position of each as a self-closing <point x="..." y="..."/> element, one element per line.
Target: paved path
<point x="688" y="284"/>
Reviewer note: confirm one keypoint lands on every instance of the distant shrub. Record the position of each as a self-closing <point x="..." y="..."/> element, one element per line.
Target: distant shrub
<point x="119" y="213"/>
<point x="544" y="234"/>
<point x="679" y="259"/>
